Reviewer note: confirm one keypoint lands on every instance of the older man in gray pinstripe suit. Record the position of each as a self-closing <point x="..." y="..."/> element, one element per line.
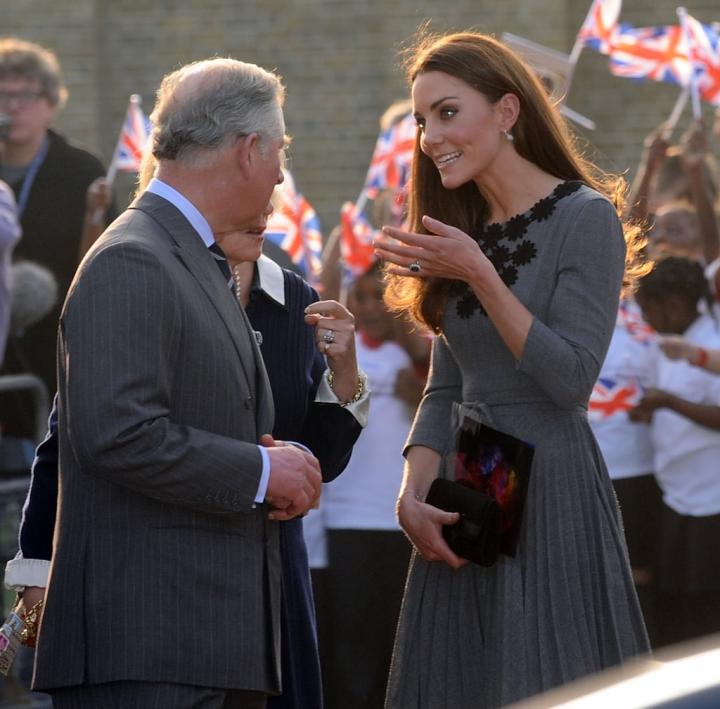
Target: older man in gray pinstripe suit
<point x="164" y="587"/>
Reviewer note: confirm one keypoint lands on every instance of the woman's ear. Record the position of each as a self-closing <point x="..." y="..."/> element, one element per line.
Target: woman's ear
<point x="509" y="110"/>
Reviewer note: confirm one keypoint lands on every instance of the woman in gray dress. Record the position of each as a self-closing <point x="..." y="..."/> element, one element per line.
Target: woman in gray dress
<point x="515" y="259"/>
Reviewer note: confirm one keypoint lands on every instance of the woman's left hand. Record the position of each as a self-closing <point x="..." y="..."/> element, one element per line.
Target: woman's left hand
<point x="447" y="252"/>
<point x="335" y="337"/>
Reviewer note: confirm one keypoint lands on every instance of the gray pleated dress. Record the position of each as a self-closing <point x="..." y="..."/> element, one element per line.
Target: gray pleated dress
<point x="565" y="606"/>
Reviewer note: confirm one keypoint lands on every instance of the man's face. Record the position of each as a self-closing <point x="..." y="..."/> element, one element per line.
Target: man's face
<point x="268" y="164"/>
<point x="30" y="111"/>
<point x="263" y="176"/>
<point x="241" y="238"/>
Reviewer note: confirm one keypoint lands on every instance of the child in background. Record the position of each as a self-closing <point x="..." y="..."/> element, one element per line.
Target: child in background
<point x="367" y="552"/>
<point x="683" y="410"/>
<point x="675" y="232"/>
<point x="678" y="185"/>
<point x="626" y="445"/>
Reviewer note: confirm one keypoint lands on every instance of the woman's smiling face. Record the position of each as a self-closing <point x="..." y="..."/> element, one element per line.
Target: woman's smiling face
<point x="461" y="131"/>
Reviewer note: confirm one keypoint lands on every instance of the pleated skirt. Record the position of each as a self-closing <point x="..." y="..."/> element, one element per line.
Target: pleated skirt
<point x="562" y="608"/>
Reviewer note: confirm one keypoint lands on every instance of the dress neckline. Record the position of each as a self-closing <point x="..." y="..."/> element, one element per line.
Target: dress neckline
<point x="507" y="246"/>
<point x="515" y="226"/>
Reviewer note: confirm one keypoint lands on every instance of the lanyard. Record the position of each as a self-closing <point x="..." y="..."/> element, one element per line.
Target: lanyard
<point x="30" y="176"/>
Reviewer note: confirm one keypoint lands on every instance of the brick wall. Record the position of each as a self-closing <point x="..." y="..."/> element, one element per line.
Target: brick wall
<point x="339" y="61"/>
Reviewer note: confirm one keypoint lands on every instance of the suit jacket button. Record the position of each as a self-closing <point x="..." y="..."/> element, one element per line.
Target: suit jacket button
<point x="248" y="402"/>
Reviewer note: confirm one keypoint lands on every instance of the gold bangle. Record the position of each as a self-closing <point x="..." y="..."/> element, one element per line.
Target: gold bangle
<point x="29" y="632"/>
<point x="359" y="389"/>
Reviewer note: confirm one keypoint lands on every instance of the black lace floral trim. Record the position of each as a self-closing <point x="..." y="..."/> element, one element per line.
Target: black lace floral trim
<point x="506" y="248"/>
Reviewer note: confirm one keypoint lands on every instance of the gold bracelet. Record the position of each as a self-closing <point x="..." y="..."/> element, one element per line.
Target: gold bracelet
<point x="359" y="390"/>
<point x="29" y="632"/>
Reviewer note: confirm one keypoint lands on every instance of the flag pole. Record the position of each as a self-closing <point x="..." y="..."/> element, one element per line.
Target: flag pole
<point x="112" y="170"/>
<point x="579" y="44"/>
<point x="694" y="90"/>
<point x="99" y="213"/>
<point x="675" y="114"/>
<point x="361" y="200"/>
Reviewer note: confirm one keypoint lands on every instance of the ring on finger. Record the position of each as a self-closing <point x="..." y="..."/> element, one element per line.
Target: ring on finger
<point x="329" y="337"/>
<point x="415" y="266"/>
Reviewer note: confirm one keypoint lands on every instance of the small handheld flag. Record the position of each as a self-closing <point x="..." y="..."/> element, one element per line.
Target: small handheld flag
<point x="295" y="228"/>
<point x="597" y="29"/>
<point x="356" y="244"/>
<point x="392" y="158"/>
<point x="133" y="138"/>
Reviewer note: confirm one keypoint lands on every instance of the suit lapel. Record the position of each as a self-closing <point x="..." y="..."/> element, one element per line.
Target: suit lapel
<point x="199" y="261"/>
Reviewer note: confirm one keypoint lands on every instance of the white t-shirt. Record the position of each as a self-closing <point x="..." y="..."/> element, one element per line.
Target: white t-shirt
<point x="687" y="455"/>
<point x="364" y="495"/>
<point x="628" y="367"/>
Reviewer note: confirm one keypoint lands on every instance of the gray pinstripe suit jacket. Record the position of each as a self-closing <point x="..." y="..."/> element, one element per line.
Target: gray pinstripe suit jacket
<point x="163" y="570"/>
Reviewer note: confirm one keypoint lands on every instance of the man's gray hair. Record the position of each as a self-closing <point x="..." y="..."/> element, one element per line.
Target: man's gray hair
<point x="204" y="104"/>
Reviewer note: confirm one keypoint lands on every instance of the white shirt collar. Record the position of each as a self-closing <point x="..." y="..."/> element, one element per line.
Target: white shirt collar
<point x="186" y="207"/>
<point x="271" y="279"/>
<point x="270" y="276"/>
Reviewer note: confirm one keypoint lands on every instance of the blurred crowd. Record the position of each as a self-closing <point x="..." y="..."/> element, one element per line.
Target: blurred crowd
<point x="655" y="409"/>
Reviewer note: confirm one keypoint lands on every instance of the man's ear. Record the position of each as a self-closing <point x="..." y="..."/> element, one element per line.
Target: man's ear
<point x="246" y="152"/>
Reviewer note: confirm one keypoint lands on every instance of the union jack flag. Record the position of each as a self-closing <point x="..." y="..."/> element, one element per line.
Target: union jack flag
<point x="133" y="137"/>
<point x="392" y="157"/>
<point x="610" y="398"/>
<point x="657" y="53"/>
<point x="630" y="318"/>
<point x="597" y="30"/>
<point x="295" y="228"/>
<point x="704" y="51"/>
<point x="356" y="243"/>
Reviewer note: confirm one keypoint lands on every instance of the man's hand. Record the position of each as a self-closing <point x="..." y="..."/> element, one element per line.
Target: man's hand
<point x="295" y="479"/>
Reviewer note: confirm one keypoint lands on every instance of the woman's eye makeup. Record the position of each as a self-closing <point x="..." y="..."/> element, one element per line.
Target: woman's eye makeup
<point x="447" y="112"/>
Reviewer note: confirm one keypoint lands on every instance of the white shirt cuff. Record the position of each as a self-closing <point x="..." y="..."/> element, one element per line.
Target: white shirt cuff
<point x="359" y="409"/>
<point x="21" y="573"/>
<point x="264" y="477"/>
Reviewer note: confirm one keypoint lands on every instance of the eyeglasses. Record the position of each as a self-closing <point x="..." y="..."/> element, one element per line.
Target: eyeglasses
<point x="20" y="98"/>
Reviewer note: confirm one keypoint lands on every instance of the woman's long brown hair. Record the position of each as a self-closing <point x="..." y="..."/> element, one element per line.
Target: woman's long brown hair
<point x="540" y="136"/>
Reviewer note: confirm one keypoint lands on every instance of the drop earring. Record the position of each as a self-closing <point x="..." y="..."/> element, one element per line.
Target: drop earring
<point x="508" y="136"/>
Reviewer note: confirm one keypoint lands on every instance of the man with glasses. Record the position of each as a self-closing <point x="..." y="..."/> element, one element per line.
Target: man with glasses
<point x="50" y="179"/>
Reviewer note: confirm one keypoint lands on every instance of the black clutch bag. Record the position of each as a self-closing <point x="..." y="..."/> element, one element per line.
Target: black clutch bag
<point x="476" y="536"/>
<point x="496" y="465"/>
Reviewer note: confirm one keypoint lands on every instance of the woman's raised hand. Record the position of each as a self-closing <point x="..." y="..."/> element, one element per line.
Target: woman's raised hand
<point x="447" y="252"/>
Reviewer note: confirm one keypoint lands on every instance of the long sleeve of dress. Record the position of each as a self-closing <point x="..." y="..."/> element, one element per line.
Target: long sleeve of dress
<point x="564" y="353"/>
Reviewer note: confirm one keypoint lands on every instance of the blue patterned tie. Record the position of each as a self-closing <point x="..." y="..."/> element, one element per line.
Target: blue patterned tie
<point x="224" y="267"/>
